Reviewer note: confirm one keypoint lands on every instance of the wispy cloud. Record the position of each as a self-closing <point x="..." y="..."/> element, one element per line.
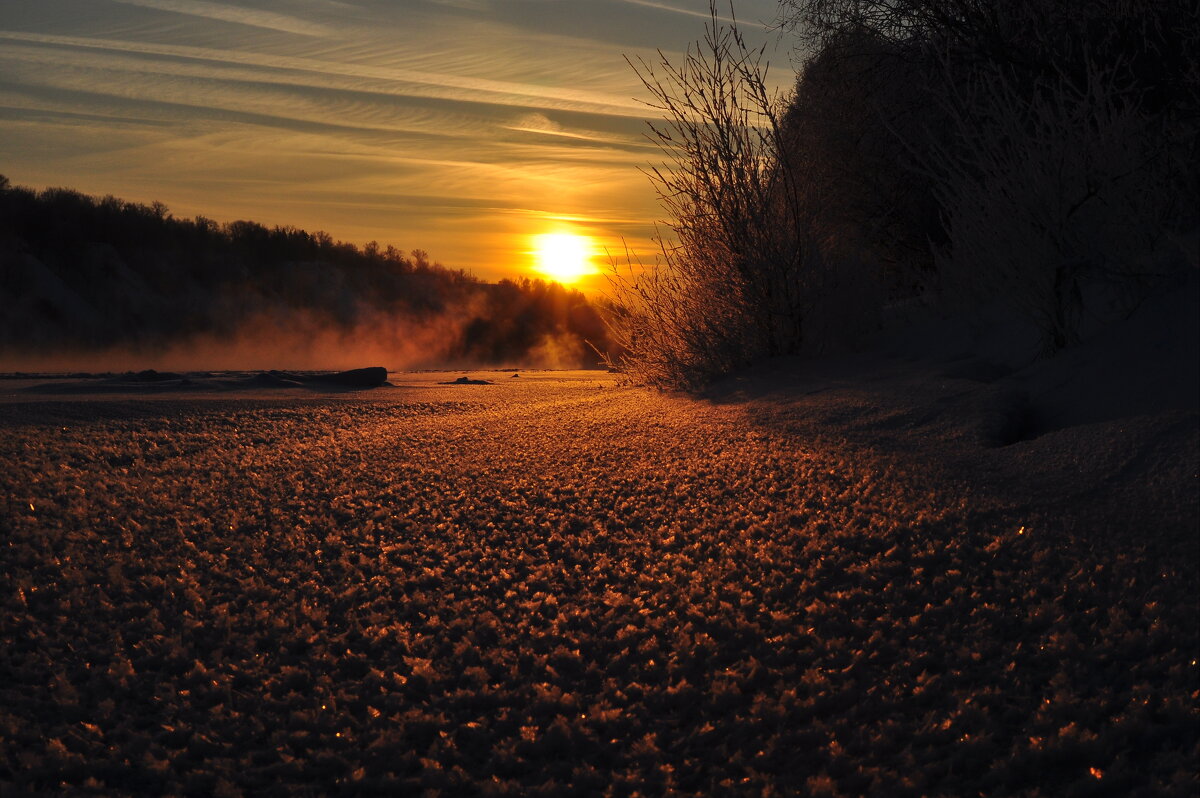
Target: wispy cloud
<point x="542" y="125"/>
<point x="468" y="5"/>
<point x="177" y="90"/>
<point x="239" y="15"/>
<point x="694" y="13"/>
<point x="425" y="83"/>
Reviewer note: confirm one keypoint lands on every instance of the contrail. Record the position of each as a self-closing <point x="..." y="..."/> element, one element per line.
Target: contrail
<point x="236" y="14"/>
<point x="691" y="13"/>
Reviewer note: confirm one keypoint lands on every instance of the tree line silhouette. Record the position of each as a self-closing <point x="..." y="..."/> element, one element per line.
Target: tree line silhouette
<point x="80" y="273"/>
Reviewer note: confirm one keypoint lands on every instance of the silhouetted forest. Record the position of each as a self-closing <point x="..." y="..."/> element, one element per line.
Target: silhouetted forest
<point x="85" y="275"/>
<point x="1035" y="161"/>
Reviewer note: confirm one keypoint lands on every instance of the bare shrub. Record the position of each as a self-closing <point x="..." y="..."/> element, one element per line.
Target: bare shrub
<point x="732" y="284"/>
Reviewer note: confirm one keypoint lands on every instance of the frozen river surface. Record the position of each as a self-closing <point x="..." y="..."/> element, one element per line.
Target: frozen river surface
<point x="552" y="584"/>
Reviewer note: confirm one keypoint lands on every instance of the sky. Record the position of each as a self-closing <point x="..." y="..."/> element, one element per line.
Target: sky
<point x="464" y="128"/>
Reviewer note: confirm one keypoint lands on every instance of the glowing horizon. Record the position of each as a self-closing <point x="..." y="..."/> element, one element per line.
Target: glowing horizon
<point x="459" y="127"/>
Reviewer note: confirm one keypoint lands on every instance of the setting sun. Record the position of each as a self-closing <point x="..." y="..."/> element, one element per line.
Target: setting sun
<point x="564" y="257"/>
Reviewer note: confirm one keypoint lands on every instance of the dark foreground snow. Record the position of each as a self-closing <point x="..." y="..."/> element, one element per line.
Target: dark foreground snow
<point x="884" y="581"/>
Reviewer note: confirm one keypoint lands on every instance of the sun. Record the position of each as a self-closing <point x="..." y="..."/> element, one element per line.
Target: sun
<point x="564" y="257"/>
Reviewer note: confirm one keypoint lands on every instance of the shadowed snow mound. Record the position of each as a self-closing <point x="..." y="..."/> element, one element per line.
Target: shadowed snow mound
<point x="1104" y="436"/>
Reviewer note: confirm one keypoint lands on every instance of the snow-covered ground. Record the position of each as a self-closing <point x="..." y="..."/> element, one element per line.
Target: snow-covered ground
<point x="877" y="575"/>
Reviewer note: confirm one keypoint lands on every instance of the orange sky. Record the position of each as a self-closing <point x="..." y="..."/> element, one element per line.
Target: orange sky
<point x="461" y="127"/>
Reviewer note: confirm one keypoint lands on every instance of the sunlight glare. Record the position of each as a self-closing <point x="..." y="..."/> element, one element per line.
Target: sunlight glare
<point x="564" y="257"/>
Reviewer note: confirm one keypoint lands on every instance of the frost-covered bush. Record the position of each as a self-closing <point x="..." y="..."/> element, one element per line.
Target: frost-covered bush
<point x="1038" y="153"/>
<point x="1050" y="192"/>
<point x="733" y="282"/>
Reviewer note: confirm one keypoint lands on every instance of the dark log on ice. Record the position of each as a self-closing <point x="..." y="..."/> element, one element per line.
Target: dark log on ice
<point x="149" y="375"/>
<point x="465" y="381"/>
<point x="370" y="377"/>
